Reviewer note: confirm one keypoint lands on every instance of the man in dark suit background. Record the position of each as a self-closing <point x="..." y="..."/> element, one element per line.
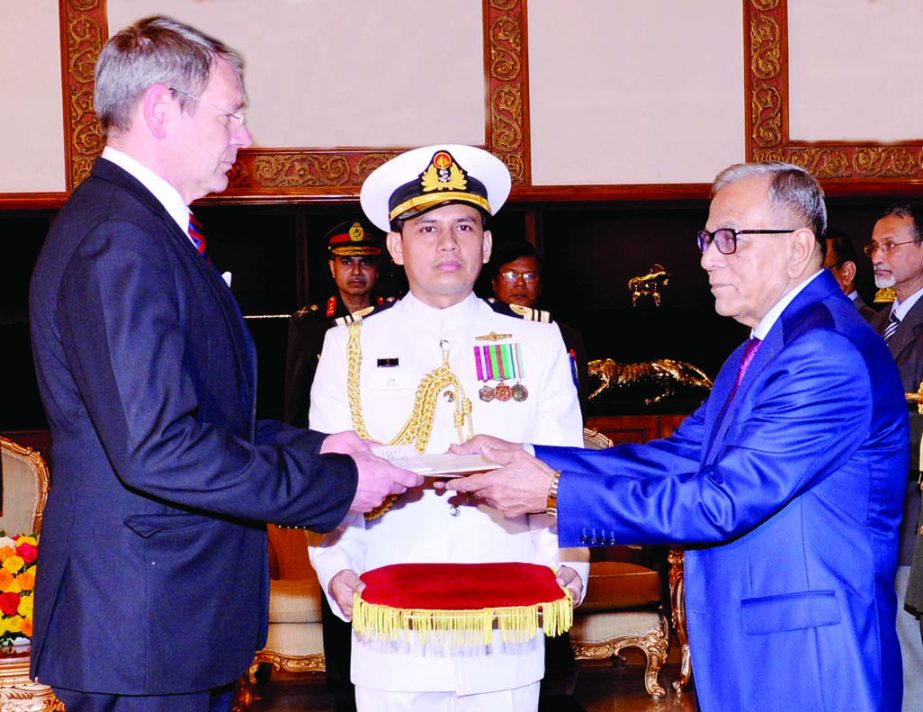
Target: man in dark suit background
<point x="785" y="485"/>
<point x="896" y="251"/>
<point x="841" y="261"/>
<point x="152" y="591"/>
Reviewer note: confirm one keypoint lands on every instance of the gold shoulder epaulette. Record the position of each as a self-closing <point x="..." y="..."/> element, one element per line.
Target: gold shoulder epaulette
<point x="530" y="314"/>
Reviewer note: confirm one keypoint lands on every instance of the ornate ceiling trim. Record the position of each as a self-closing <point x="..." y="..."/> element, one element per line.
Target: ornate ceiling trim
<point x="767" y="113"/>
<point x="305" y="172"/>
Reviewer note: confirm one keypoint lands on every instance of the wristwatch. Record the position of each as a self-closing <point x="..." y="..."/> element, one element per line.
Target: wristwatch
<point x="551" y="506"/>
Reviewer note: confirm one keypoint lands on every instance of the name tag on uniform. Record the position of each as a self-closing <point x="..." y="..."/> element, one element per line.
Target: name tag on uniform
<point x="393" y="362"/>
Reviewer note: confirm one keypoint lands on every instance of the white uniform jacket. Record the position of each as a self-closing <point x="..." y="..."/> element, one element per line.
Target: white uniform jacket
<point x="399" y="347"/>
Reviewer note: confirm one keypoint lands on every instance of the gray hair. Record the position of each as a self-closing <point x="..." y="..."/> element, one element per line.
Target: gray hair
<point x="155" y="50"/>
<point x="791" y="189"/>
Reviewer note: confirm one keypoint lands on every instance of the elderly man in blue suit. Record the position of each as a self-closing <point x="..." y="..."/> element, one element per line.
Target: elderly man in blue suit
<point x="785" y="486"/>
<point x="152" y="590"/>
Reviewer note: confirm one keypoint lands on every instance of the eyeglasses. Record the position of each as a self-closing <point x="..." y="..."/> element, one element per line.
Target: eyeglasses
<point x="511" y="275"/>
<point x="725" y="238"/>
<point x="235" y="119"/>
<point x="886" y="247"/>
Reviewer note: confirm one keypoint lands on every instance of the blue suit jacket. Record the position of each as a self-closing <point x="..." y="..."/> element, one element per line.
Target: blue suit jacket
<point x="152" y="574"/>
<point x="788" y="504"/>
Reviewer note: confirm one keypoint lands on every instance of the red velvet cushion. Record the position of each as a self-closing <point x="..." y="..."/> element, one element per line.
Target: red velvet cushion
<point x="460" y="586"/>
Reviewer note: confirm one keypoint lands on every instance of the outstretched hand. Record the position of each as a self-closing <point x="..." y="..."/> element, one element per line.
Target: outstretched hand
<point x="378" y="478"/>
<point x="519" y="487"/>
<point x="345" y="443"/>
<point x="484" y="444"/>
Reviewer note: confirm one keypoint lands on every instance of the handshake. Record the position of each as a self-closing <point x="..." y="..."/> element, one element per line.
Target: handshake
<point x="519" y="486"/>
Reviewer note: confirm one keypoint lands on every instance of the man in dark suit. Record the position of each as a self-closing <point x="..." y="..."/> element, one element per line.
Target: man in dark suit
<point x="841" y="261"/>
<point x="785" y="485"/>
<point x="152" y="592"/>
<point x="896" y="251"/>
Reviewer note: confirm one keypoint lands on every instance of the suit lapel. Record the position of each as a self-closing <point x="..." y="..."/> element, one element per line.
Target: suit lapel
<point x="725" y="414"/>
<point x="910" y="328"/>
<point x="244" y="350"/>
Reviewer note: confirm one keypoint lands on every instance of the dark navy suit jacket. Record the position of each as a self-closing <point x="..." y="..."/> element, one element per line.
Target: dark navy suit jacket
<point x="788" y="501"/>
<point x="152" y="574"/>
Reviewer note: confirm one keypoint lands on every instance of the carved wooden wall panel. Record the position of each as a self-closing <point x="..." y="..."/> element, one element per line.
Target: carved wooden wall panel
<point x="767" y="113"/>
<point x="295" y="173"/>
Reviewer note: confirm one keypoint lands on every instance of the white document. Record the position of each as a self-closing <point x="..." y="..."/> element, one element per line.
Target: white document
<point x="442" y="465"/>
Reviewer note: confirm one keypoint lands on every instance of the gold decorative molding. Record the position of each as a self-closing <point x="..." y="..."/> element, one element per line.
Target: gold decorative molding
<point x="304" y="173"/>
<point x="508" y="86"/>
<point x="676" y="559"/>
<point x="83" y="29"/>
<point x="767" y="113"/>
<point x="654" y="643"/>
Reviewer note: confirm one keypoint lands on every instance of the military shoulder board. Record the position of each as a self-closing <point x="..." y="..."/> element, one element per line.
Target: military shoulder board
<point x="514" y="310"/>
<point x="530" y="314"/>
<point x="363" y="313"/>
<point x="309" y="310"/>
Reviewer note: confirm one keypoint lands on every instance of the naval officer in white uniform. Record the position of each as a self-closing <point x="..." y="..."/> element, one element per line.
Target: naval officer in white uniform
<point x="513" y="370"/>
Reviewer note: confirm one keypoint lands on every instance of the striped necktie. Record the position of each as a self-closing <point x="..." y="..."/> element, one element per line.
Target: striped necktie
<point x="893" y="323"/>
<point x="196" y="234"/>
<point x="750" y="350"/>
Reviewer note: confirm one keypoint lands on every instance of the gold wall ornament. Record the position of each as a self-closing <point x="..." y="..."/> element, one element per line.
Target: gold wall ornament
<point x="649" y="285"/>
<point x="885" y="295"/>
<point x="887" y="162"/>
<point x="283" y="170"/>
<point x="660" y="378"/>
<point x="916" y="397"/>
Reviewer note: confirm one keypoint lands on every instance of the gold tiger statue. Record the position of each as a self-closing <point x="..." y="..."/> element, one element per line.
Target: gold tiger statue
<point x="664" y="375"/>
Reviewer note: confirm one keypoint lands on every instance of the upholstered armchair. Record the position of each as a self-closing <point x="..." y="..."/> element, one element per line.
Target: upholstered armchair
<point x="624" y="605"/>
<point x="25" y="488"/>
<point x="295" y="641"/>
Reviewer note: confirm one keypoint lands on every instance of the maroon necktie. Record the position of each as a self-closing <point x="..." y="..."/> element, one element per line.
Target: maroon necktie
<point x="196" y="234"/>
<point x="750" y="350"/>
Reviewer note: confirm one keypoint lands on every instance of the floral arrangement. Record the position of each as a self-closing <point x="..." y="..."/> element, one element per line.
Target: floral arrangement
<point x="17" y="583"/>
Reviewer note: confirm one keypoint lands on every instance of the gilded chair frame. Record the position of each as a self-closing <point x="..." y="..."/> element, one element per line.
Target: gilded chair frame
<point x="35" y="462"/>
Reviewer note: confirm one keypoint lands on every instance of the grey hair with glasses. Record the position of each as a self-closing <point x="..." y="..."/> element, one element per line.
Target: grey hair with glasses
<point x="792" y="190"/>
<point x="155" y="50"/>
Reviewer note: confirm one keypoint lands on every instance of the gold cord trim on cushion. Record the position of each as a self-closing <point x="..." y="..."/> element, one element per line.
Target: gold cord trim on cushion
<point x="464" y="627"/>
<point x="419" y="425"/>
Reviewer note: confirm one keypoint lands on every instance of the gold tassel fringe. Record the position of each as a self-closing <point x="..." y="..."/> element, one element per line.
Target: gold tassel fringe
<point x="464" y="627"/>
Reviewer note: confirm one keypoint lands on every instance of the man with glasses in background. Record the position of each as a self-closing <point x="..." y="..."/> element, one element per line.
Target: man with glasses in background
<point x="516" y="278"/>
<point x="785" y="484"/>
<point x="896" y="252"/>
<point x="841" y="261"/>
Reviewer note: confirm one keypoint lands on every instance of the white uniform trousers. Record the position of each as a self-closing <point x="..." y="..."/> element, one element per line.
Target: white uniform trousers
<point x="519" y="699"/>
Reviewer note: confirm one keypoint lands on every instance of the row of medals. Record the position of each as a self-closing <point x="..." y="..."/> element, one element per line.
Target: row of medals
<point x="503" y="392"/>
